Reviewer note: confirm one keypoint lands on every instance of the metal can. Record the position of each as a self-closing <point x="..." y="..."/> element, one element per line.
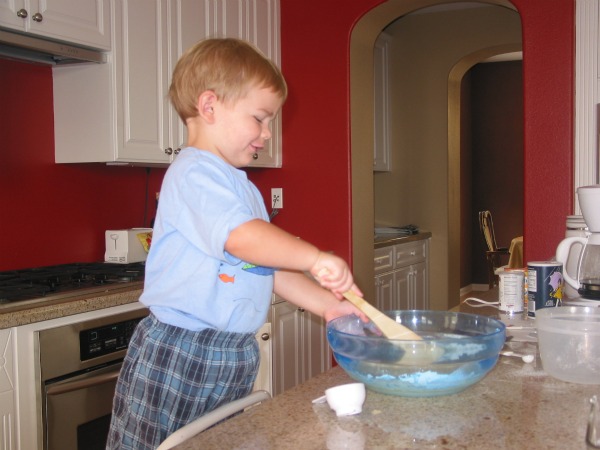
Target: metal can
<point x="511" y="291"/>
<point x="544" y="285"/>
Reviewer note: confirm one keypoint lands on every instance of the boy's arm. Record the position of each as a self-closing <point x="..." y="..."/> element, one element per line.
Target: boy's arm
<point x="299" y="289"/>
<point x="265" y="244"/>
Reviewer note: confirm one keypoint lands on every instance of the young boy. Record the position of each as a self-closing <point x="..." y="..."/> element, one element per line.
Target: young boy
<point x="215" y="258"/>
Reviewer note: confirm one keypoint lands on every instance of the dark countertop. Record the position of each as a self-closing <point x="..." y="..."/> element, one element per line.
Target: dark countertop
<point x="387" y="239"/>
<point x="516" y="406"/>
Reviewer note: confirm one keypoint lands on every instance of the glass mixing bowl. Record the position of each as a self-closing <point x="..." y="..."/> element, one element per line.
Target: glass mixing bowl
<point x="457" y="351"/>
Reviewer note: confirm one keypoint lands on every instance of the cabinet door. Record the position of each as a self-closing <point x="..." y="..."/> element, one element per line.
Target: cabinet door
<point x="404" y="290"/>
<point x="316" y="351"/>
<point x="8" y="14"/>
<point x="84" y="22"/>
<point x="287" y="347"/>
<point x="264" y="32"/>
<point x="8" y="416"/>
<point x="264" y="378"/>
<point x="256" y="21"/>
<point x="141" y="53"/>
<point x="420" y="279"/>
<point x="195" y="21"/>
<point x="385" y="291"/>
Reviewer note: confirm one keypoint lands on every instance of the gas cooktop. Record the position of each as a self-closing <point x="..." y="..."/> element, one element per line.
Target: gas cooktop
<point x="67" y="280"/>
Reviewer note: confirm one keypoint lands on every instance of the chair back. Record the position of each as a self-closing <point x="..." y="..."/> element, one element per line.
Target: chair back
<point x="211" y="418"/>
<point x="486" y="224"/>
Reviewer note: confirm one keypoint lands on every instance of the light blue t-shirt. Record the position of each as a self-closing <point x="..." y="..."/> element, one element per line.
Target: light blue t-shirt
<point x="191" y="281"/>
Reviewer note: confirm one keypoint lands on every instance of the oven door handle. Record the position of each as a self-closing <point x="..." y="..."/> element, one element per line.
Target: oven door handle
<point x="82" y="384"/>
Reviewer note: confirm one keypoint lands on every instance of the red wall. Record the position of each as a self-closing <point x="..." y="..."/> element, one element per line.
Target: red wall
<point x="316" y="119"/>
<point x="52" y="214"/>
<point x="548" y="77"/>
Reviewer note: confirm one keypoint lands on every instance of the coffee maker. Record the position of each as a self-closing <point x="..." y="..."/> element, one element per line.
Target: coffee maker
<point x="587" y="281"/>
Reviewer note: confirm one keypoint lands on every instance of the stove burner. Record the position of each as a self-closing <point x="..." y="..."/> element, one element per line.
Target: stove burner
<point x="27" y="284"/>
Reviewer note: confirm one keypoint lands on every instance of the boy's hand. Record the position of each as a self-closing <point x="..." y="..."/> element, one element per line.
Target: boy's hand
<point x="334" y="274"/>
<point x="344" y="308"/>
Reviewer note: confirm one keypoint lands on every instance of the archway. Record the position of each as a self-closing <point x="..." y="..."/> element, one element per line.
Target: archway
<point x="361" y="101"/>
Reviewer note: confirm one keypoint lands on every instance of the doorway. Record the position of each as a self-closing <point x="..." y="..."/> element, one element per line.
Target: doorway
<point x="427" y="142"/>
<point x="491" y="162"/>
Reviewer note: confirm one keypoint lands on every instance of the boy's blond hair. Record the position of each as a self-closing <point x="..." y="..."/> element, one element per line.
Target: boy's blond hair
<point x="229" y="67"/>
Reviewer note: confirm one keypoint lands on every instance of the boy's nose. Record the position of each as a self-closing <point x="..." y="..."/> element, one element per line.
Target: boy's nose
<point x="266" y="133"/>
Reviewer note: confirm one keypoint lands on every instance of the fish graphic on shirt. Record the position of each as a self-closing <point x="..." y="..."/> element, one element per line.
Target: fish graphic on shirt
<point x="227" y="278"/>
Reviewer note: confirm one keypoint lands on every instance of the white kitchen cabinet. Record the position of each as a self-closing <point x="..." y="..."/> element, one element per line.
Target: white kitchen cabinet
<point x="381" y="113"/>
<point x="385" y="289"/>
<point x="8" y="412"/>
<point x="402" y="276"/>
<point x="300" y="348"/>
<point x="264" y="378"/>
<point x="84" y="22"/>
<point x="119" y="112"/>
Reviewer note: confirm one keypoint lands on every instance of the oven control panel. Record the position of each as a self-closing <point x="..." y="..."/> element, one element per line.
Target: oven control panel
<point x="100" y="341"/>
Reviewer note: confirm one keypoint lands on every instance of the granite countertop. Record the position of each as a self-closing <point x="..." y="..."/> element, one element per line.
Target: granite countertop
<point x="386" y="240"/>
<point x="516" y="406"/>
<point x="23" y="313"/>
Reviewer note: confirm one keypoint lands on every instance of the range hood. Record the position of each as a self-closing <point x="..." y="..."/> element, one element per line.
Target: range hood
<point x="42" y="51"/>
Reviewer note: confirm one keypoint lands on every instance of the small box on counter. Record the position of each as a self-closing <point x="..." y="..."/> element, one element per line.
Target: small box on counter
<point x="127" y="246"/>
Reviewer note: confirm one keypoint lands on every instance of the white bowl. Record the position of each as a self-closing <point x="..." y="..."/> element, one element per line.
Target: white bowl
<point x="569" y="342"/>
<point x="346" y="399"/>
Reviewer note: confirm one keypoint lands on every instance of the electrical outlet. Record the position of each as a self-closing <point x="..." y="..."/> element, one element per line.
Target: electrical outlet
<point x="276" y="198"/>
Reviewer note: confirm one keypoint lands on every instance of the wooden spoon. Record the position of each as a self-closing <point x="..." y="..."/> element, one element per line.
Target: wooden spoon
<point x="388" y="326"/>
<point x="413" y="356"/>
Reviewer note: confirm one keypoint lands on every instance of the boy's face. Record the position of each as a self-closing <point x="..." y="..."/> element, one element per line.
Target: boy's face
<point x="244" y="125"/>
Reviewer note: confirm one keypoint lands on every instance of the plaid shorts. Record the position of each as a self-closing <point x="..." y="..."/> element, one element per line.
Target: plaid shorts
<point x="171" y="376"/>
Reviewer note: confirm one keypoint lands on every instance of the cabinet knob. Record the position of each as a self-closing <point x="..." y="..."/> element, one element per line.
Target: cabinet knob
<point x="301" y="309"/>
<point x="413" y="253"/>
<point x="22" y="13"/>
<point x="169" y="151"/>
<point x="265" y="336"/>
<point x="37" y="17"/>
<point x="177" y="150"/>
<point x="255" y="156"/>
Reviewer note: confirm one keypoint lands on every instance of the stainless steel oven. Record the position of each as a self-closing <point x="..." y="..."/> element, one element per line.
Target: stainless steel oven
<point x="79" y="366"/>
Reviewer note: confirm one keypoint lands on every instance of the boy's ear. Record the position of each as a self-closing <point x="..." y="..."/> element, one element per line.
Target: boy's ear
<point x="206" y="102"/>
